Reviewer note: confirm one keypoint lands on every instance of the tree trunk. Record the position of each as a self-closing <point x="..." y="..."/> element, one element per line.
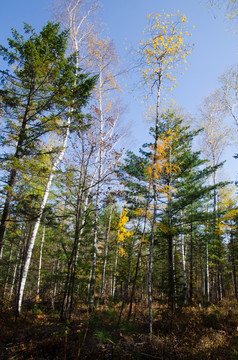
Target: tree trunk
<point x="207" y="287"/>
<point x="171" y="284"/>
<point x="66" y="308"/>
<point x="212" y="288"/>
<point x="212" y="284"/>
<point x="105" y="256"/>
<point x="114" y="279"/>
<point x="94" y="260"/>
<point x="14" y="272"/>
<point x="233" y="262"/>
<point x="37" y="223"/>
<point x="40" y="263"/>
<point x="56" y="268"/>
<point x="191" y="267"/>
<point x="185" y="288"/>
<point x="125" y="297"/>
<point x="138" y="259"/>
<point x="8" y="272"/>
<point x="152" y="235"/>
<point x="6" y="210"/>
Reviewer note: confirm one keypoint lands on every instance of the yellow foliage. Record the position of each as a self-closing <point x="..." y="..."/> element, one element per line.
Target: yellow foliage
<point x="139" y="211"/>
<point x="123" y="233"/>
<point x="227" y="202"/>
<point x="165" y="167"/>
<point x="122" y="252"/>
<point x="166" y="45"/>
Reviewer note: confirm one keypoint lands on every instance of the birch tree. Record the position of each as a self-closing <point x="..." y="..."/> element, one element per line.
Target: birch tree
<point x="103" y="60"/>
<point x="79" y="16"/>
<point x="99" y="153"/>
<point x="165" y="47"/>
<point x="230" y="7"/>
<point x="216" y="137"/>
<point x="229" y="82"/>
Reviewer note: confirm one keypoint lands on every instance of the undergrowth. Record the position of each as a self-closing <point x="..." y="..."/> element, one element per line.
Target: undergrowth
<point x="208" y="332"/>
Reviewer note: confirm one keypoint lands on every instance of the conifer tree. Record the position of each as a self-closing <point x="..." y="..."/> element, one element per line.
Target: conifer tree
<point x="37" y="89"/>
<point x="43" y="94"/>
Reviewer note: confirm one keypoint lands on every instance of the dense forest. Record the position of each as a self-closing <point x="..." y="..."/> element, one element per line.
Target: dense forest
<point x="106" y="252"/>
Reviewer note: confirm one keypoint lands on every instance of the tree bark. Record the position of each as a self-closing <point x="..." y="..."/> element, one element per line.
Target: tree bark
<point x="191" y="266"/>
<point x="105" y="256"/>
<point x="185" y="288"/>
<point x="114" y="279"/>
<point x="233" y="262"/>
<point x="40" y="262"/>
<point x="207" y="287"/>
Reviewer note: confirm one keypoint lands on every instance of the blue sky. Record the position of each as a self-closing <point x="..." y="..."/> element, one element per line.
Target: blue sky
<point x="215" y="48"/>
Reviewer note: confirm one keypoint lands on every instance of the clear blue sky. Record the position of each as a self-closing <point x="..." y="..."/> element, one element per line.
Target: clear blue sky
<point x="215" y="48"/>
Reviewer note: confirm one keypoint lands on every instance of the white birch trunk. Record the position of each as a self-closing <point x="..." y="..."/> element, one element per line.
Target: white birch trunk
<point x="207" y="274"/>
<point x="37" y="223"/>
<point x="95" y="233"/>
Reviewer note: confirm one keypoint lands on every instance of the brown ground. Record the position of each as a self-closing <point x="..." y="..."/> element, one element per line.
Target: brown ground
<point x="191" y="333"/>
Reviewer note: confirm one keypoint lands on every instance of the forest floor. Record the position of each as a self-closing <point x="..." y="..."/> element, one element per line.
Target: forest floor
<point x="191" y="333"/>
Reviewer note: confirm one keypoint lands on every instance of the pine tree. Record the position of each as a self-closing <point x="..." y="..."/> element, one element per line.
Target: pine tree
<point x="36" y="92"/>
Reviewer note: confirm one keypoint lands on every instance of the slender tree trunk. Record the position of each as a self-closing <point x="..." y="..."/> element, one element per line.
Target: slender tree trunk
<point x="171" y="293"/>
<point x="8" y="271"/>
<point x="152" y="236"/>
<point x="105" y="256"/>
<point x="114" y="279"/>
<point x="125" y="297"/>
<point x="81" y="207"/>
<point x="191" y="267"/>
<point x="69" y="288"/>
<point x="94" y="261"/>
<point x="212" y="288"/>
<point x="138" y="259"/>
<point x="233" y="262"/>
<point x="212" y="284"/>
<point x="99" y="179"/>
<point x="67" y="304"/>
<point x="207" y="287"/>
<point x="14" y="272"/>
<point x="174" y="272"/>
<point x="185" y="288"/>
<point x="219" y="283"/>
<point x="40" y="262"/>
<point x="56" y="269"/>
<point x="134" y="282"/>
<point x="37" y="223"/>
